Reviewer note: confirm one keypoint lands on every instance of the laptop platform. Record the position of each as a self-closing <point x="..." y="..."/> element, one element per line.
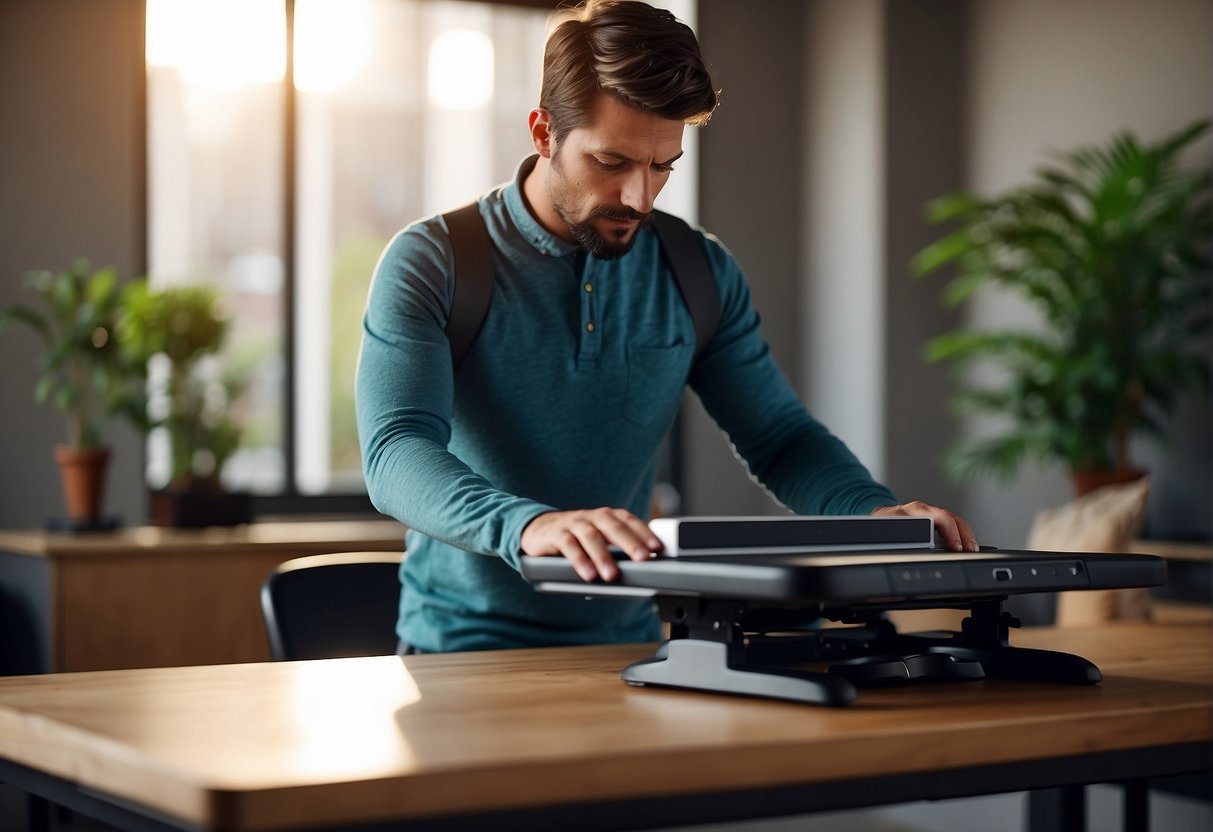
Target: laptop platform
<point x="752" y="624"/>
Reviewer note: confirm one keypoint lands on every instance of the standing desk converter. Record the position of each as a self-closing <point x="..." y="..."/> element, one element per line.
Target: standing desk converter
<point x="750" y="623"/>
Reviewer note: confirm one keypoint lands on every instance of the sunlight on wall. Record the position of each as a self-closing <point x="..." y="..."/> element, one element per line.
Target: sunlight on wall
<point x="227" y="44"/>
<point x="220" y="44"/>
<point x="332" y="43"/>
<point x="460" y="72"/>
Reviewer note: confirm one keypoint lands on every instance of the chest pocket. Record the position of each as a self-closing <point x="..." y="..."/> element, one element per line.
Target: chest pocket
<point x="656" y="378"/>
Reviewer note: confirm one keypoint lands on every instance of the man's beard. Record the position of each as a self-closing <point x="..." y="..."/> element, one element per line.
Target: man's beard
<point x="583" y="231"/>
<point x="592" y="240"/>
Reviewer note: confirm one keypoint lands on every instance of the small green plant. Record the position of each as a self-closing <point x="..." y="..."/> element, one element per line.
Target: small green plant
<point x="86" y="374"/>
<point x="1111" y="245"/>
<point x="184" y="328"/>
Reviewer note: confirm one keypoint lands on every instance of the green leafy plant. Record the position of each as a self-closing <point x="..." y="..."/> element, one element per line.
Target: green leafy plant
<point x="184" y="327"/>
<point x="85" y="372"/>
<point x="1111" y="245"/>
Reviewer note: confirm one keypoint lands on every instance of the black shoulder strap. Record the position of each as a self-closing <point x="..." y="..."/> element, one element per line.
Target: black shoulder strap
<point x="684" y="252"/>
<point x="474" y="276"/>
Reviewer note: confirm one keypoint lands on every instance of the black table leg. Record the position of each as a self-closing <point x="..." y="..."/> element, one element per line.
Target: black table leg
<point x="37" y="813"/>
<point x="1136" y="806"/>
<point x="1057" y="810"/>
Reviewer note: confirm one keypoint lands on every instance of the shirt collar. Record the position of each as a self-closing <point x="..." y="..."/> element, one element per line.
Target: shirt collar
<point x="529" y="227"/>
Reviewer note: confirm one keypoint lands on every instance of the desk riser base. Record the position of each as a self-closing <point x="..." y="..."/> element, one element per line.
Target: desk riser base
<point x="726" y="646"/>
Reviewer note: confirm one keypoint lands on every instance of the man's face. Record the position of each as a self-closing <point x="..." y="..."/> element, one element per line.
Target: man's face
<point x="605" y="175"/>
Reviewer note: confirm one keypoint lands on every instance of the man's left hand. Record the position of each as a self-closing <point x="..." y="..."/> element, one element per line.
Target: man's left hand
<point x="953" y="530"/>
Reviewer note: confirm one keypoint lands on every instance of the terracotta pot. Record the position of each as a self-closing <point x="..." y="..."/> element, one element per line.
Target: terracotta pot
<point x="1089" y="480"/>
<point x="83" y="472"/>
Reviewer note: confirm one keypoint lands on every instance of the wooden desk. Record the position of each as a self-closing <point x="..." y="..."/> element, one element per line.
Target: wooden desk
<point x="153" y="597"/>
<point x="553" y="739"/>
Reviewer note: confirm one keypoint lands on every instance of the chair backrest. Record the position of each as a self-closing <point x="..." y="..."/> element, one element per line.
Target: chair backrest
<point x="333" y="606"/>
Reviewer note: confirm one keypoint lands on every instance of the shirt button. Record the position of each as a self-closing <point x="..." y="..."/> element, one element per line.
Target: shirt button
<point x="589" y="327"/>
<point x="589" y="287"/>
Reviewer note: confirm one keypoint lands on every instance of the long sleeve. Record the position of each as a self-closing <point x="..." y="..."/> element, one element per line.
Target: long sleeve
<point x="404" y="394"/>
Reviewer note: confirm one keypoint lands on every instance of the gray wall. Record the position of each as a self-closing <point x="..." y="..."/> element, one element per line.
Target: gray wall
<point x="749" y="156"/>
<point x="924" y="76"/>
<point x="840" y="118"/>
<point x="71" y="185"/>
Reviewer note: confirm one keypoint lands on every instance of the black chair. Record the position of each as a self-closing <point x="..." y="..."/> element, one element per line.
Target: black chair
<point x="332" y="606"/>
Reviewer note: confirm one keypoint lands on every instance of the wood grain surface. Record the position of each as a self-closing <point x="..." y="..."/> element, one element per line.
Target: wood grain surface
<point x="269" y="746"/>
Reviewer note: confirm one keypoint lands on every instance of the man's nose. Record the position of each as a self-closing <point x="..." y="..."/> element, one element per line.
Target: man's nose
<point x="640" y="190"/>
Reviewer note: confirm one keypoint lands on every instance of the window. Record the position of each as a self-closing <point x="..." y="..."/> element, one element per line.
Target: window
<point x="284" y="198"/>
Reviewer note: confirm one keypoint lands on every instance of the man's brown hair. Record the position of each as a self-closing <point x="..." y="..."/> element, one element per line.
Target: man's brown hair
<point x="644" y="57"/>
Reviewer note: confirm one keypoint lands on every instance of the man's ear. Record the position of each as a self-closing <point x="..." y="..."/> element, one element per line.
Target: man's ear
<point x="541" y="132"/>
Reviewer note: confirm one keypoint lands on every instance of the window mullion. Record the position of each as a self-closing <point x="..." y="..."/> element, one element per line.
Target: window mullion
<point x="289" y="219"/>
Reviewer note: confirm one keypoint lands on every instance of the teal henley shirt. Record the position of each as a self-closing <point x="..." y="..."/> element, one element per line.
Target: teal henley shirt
<point x="562" y="403"/>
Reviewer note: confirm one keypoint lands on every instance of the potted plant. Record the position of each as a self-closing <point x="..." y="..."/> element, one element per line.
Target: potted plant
<point x="180" y="332"/>
<point x="85" y="374"/>
<point x="1111" y="245"/>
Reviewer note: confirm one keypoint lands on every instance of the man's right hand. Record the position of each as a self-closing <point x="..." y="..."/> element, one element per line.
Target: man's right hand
<point x="585" y="536"/>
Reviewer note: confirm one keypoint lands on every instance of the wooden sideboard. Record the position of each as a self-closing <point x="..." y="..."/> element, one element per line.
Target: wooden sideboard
<point x="153" y="597"/>
<point x="1189" y="569"/>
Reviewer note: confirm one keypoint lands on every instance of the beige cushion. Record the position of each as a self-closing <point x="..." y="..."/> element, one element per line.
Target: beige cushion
<point x="1103" y="520"/>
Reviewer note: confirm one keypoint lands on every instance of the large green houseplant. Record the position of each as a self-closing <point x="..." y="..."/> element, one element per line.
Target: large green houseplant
<point x="1111" y="245"/>
<point x="183" y="329"/>
<point x="85" y="373"/>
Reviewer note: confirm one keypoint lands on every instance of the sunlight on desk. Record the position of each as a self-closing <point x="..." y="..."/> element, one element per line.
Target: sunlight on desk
<point x="346" y="722"/>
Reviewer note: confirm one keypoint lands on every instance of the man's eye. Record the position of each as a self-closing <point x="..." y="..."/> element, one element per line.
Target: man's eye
<point x="608" y="165"/>
<point x="664" y="168"/>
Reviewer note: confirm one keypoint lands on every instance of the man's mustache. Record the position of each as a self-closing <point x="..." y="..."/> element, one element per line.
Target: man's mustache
<point x="621" y="214"/>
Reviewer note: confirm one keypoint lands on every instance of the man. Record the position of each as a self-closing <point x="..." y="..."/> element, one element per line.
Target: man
<point x="545" y="441"/>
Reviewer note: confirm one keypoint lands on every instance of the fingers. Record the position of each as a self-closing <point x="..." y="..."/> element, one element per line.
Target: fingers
<point x="955" y="533"/>
<point x="585" y="538"/>
<point x="968" y="538"/>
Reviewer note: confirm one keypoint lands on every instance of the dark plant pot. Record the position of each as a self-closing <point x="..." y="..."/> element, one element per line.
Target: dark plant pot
<point x="196" y="509"/>
<point x="83" y="472"/>
<point x="1088" y="480"/>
